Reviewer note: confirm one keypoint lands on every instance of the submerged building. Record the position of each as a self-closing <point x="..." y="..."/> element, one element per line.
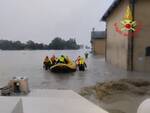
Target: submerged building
<point x="98" y="42"/>
<point x="130" y="50"/>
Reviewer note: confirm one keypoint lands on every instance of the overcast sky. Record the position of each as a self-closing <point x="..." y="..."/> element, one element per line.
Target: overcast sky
<point x="42" y="20"/>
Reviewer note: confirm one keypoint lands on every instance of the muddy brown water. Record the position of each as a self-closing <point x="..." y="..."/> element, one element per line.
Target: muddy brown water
<point x="29" y="64"/>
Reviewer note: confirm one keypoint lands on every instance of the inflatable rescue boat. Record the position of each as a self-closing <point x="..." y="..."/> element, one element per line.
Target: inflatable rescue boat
<point x="64" y="68"/>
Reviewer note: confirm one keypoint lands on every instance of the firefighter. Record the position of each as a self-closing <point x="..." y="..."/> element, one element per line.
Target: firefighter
<point x="47" y="63"/>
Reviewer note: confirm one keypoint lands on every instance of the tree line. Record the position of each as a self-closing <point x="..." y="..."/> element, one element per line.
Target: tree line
<point x="57" y="44"/>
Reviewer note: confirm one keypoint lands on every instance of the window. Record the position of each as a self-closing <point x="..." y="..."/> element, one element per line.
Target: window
<point x="148" y="51"/>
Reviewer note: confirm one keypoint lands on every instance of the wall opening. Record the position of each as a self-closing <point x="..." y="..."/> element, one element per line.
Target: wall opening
<point x="148" y="51"/>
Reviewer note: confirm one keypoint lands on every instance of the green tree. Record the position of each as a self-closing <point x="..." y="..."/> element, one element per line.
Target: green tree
<point x="60" y="44"/>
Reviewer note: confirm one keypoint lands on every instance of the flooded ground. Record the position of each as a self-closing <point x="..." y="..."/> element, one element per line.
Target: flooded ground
<point x="29" y="64"/>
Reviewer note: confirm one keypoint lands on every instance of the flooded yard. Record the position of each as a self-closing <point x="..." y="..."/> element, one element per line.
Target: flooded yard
<point x="29" y="64"/>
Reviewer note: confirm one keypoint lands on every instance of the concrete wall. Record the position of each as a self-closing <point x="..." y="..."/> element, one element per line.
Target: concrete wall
<point x="142" y="40"/>
<point x="117" y="44"/>
<point x="98" y="46"/>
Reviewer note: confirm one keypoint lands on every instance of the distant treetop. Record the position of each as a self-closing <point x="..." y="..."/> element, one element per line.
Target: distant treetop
<point x="57" y="44"/>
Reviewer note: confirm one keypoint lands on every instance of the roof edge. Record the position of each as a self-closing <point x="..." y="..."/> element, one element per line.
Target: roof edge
<point x="110" y="9"/>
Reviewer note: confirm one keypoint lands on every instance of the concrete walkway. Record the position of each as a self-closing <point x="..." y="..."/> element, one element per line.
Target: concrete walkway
<point x="46" y="101"/>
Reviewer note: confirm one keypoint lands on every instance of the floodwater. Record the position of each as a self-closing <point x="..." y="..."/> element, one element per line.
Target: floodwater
<point x="29" y="64"/>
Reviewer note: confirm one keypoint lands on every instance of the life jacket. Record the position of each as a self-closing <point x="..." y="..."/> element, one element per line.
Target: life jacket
<point x="62" y="59"/>
<point x="50" y="61"/>
<point x="56" y="59"/>
<point x="46" y="60"/>
<point x="81" y="61"/>
<point x="53" y="59"/>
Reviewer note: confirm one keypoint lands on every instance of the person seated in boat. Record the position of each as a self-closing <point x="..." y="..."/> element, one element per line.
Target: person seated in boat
<point x="62" y="59"/>
<point x="53" y="59"/>
<point x="47" y="63"/>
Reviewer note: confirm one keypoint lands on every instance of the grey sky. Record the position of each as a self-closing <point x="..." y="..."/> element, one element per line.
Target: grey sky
<point x="42" y="20"/>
